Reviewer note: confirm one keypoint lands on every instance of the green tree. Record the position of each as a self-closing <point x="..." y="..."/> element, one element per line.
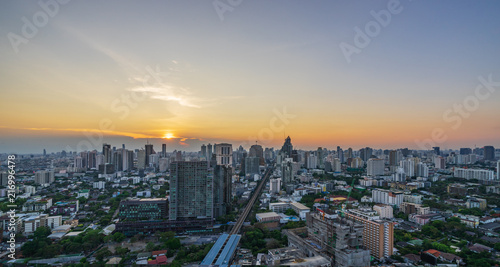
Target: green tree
<point x="118" y="237"/>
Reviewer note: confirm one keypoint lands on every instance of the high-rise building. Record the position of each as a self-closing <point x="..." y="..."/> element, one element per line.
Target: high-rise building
<point x="465" y="151"/>
<point x="365" y="153"/>
<point x="287" y="147"/>
<point x="209" y="151"/>
<point x="204" y="152"/>
<point x="141" y="159"/>
<point x="44" y="177"/>
<point x="489" y="153"/>
<point x="257" y="151"/>
<point x="437" y="150"/>
<point x="4" y="178"/>
<point x="393" y="158"/>
<point x="498" y="170"/>
<point x="106" y="152"/>
<point x="191" y="190"/>
<point x="375" y="167"/>
<point x="422" y="170"/>
<point x="338" y="238"/>
<point x="149" y="150"/>
<point x="275" y="185"/>
<point x="387" y="197"/>
<point x="408" y="166"/>
<point x="224" y="154"/>
<point x="128" y="160"/>
<point x="440" y="163"/>
<point x="252" y="166"/>
<point x="164" y="150"/>
<point x="378" y="234"/>
<point x="312" y="161"/>
<point x="222" y="189"/>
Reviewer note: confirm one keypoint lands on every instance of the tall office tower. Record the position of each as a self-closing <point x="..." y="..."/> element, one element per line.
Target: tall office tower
<point x="141" y="159"/>
<point x="465" y="151"/>
<point x="349" y="153"/>
<point x="422" y="170"/>
<point x="321" y="158"/>
<point x="191" y="190"/>
<point x="489" y="153"/>
<point x="222" y="190"/>
<point x="437" y="150"/>
<point x="224" y="154"/>
<point x="287" y="147"/>
<point x="78" y="162"/>
<point x="209" y="151"/>
<point x="4" y="178"/>
<point x="296" y="156"/>
<point x="440" y="163"/>
<point x="336" y="165"/>
<point x="275" y="185"/>
<point x="498" y="170"/>
<point x="287" y="172"/>
<point x="378" y="234"/>
<point x="375" y="167"/>
<point x="393" y="158"/>
<point x="365" y="153"/>
<point x="164" y="150"/>
<point x="204" y="152"/>
<point x="106" y="152"/>
<point x="44" y="177"/>
<point x="311" y="160"/>
<point x="163" y="164"/>
<point x="149" y="150"/>
<point x="340" y="154"/>
<point x="118" y="160"/>
<point x="405" y="152"/>
<point x="257" y="151"/>
<point x="92" y="159"/>
<point x="44" y="153"/>
<point x="268" y="154"/>
<point x="408" y="166"/>
<point x="127" y="160"/>
<point x="252" y="166"/>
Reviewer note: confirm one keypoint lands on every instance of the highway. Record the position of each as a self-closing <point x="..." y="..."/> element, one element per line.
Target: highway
<point x="237" y="227"/>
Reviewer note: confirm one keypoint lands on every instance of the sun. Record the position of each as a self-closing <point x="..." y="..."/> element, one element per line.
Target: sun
<point x="169" y="136"/>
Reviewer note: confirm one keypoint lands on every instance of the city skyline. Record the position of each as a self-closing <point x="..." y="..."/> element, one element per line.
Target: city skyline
<point x="185" y="74"/>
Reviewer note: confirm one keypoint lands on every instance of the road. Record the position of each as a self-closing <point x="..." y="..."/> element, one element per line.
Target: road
<point x="237" y="227"/>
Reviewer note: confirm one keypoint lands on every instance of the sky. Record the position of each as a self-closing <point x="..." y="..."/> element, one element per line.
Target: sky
<point x="385" y="74"/>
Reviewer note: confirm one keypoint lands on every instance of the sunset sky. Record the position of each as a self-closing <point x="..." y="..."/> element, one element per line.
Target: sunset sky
<point x="180" y="73"/>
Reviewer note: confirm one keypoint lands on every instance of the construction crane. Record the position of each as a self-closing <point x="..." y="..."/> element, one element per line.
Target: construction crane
<point x="342" y="211"/>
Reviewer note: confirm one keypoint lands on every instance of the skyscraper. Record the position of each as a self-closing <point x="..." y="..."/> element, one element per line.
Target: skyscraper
<point x="164" y="150"/>
<point x="224" y="154"/>
<point x="498" y="170"/>
<point x="149" y="151"/>
<point x="106" y="152"/>
<point x="222" y="190"/>
<point x="375" y="167"/>
<point x="191" y="191"/>
<point x="204" y="152"/>
<point x="257" y="151"/>
<point x="209" y="151"/>
<point x="251" y="165"/>
<point x="437" y="150"/>
<point x="287" y="147"/>
<point x="489" y="153"/>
